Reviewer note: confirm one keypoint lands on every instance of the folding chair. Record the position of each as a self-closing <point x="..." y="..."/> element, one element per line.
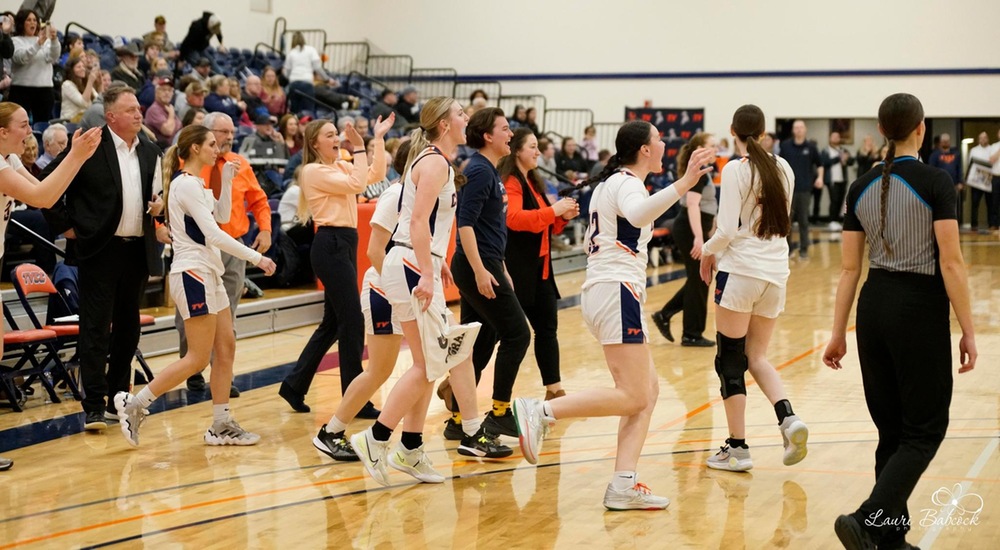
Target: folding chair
<point x="24" y="346"/>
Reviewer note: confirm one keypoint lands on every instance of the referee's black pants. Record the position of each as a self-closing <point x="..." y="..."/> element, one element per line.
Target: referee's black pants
<point x="904" y="344"/>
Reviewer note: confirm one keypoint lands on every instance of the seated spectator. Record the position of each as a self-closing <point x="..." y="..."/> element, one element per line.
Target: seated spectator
<point x="254" y="90"/>
<point x="93" y="59"/>
<point x="93" y="117"/>
<point x="127" y="70"/>
<point x="151" y="52"/>
<point x="408" y="106"/>
<point x="294" y="162"/>
<point x="588" y="146"/>
<point x="272" y="94"/>
<point x="531" y="121"/>
<point x="265" y="144"/>
<point x="570" y="163"/>
<point x="326" y="93"/>
<point x="72" y="48"/>
<point x="194" y="48"/>
<point x="193" y="96"/>
<point x="291" y="132"/>
<point x="54" y="140"/>
<point x="385" y="106"/>
<point x="237" y="94"/>
<point x="159" y="37"/>
<point x="478" y="94"/>
<point x="147" y="95"/>
<point x="362" y="126"/>
<point x="602" y="160"/>
<point x="547" y="165"/>
<point x="519" y="118"/>
<point x="193" y="116"/>
<point x="30" y="155"/>
<point x="79" y="87"/>
<point x="160" y="116"/>
<point x="202" y="71"/>
<point x="218" y="99"/>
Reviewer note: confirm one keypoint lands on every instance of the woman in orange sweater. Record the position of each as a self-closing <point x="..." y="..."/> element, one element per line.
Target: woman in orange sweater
<point x="329" y="195"/>
<point x="531" y="222"/>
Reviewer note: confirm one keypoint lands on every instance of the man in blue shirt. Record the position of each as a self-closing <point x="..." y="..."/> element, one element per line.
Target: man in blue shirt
<point x="947" y="159"/>
<point x="803" y="157"/>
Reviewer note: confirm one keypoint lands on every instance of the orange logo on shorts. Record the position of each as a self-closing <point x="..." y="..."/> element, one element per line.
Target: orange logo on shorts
<point x="381" y="324"/>
<point x="634" y="331"/>
<point x="198" y="306"/>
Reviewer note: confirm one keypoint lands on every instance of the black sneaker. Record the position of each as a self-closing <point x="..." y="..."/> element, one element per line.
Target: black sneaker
<point x="94" y="421"/>
<point x="699" y="342"/>
<point x="334" y="447"/>
<point x="662" y="323"/>
<point x="294" y="398"/>
<point x="234" y="392"/>
<point x="196" y="382"/>
<point x="453" y="430"/>
<point x="484" y="445"/>
<point x="368" y="412"/>
<point x="852" y="535"/>
<point x="501" y="425"/>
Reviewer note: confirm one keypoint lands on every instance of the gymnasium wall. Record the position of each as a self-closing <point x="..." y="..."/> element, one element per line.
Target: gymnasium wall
<point x="528" y="41"/>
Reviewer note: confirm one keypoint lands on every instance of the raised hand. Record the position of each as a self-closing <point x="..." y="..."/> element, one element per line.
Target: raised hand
<point x="85" y="143"/>
<point x="382" y="127"/>
<point x="357" y="141"/>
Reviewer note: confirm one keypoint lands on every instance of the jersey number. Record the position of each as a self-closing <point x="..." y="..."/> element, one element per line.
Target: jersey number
<point x="6" y="212"/>
<point x="595" y="230"/>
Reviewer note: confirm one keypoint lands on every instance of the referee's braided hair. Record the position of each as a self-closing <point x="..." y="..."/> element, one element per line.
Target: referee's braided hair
<point x="898" y="116"/>
<point x="748" y="125"/>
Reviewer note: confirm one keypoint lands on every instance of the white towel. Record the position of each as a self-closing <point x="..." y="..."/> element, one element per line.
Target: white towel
<point x="444" y="345"/>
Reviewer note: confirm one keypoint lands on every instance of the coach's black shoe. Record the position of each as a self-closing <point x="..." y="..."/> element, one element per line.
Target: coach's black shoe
<point x="368" y="412"/>
<point x="852" y="535"/>
<point x="294" y="398"/>
<point x="95" y="422"/>
<point x="501" y="425"/>
<point x="662" y="323"/>
<point x="196" y="382"/>
<point x="699" y="342"/>
<point x="334" y="446"/>
<point x="484" y="445"/>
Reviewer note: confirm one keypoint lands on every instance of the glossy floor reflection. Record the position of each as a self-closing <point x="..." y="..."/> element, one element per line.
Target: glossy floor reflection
<point x="84" y="490"/>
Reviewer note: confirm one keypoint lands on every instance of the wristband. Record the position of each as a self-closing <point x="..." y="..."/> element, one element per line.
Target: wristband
<point x="359" y="151"/>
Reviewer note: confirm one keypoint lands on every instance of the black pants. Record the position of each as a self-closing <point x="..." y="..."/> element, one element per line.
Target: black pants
<point x="543" y="315"/>
<point x="976" y="197"/>
<point x="904" y="344"/>
<point x="334" y="256"/>
<point x="993" y="206"/>
<point x="800" y="214"/>
<point x="503" y="320"/>
<point x="37" y="102"/>
<point x="111" y="286"/>
<point x="837" y="194"/>
<point x="817" y="197"/>
<point x="692" y="298"/>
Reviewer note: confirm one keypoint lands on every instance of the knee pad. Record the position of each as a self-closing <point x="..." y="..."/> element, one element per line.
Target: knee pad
<point x="731" y="365"/>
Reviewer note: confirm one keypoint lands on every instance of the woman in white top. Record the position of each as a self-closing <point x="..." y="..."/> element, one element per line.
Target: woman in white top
<point x="79" y="87"/>
<point x="302" y="64"/>
<point x="621" y="225"/>
<point x="17" y="183"/>
<point x="751" y="254"/>
<point x="36" y="49"/>
<point x="194" y="215"/>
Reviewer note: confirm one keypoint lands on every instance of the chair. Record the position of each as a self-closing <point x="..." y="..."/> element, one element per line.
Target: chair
<point x="25" y="346"/>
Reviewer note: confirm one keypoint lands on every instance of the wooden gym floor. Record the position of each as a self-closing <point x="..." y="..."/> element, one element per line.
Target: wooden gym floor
<point x="84" y="490"/>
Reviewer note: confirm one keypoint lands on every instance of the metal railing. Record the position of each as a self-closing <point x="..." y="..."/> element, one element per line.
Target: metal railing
<point x="281" y="23"/>
<point x="462" y="90"/>
<point x="313" y="37"/>
<point x="393" y="70"/>
<point x="510" y="102"/>
<point x="606" y="134"/>
<point x="100" y="37"/>
<point x="346" y="57"/>
<point x="568" y="122"/>
<point x="433" y="82"/>
<point x="352" y="83"/>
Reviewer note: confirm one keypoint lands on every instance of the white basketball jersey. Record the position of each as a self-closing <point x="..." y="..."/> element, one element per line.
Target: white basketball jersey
<point x="7" y="203"/>
<point x="616" y="249"/>
<point x="442" y="216"/>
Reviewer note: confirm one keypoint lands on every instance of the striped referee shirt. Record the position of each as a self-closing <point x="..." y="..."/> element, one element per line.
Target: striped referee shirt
<point x="919" y="195"/>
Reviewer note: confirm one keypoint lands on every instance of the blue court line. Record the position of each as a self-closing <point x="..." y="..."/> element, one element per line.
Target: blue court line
<point x="208" y="521"/>
<point x="72" y="424"/>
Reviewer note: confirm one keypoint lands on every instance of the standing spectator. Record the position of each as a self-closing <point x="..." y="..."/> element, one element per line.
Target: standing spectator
<point x="408" y="106"/>
<point x="6" y="51"/>
<point x="161" y="117"/>
<point x="220" y="101"/>
<point x="54" y="141"/>
<point x="947" y="159"/>
<point x="291" y="132"/>
<point x="981" y="152"/>
<point x="159" y="36"/>
<point x="271" y="92"/>
<point x="247" y="196"/>
<point x="105" y="210"/>
<point x="127" y="70"/>
<point x="194" y="48"/>
<point x="995" y="184"/>
<point x="79" y="87"/>
<point x="36" y="49"/>
<point x="193" y="97"/>
<point x="835" y="159"/>
<point x="570" y="163"/>
<point x="803" y="157"/>
<point x="531" y="121"/>
<point x="867" y="155"/>
<point x="302" y="66"/>
<point x="588" y="145"/>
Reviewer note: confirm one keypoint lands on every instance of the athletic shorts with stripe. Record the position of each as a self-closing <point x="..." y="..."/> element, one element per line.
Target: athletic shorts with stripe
<point x="744" y="294"/>
<point x="198" y="292"/>
<point x="614" y="312"/>
<point x="375" y="306"/>
<point x="400" y="274"/>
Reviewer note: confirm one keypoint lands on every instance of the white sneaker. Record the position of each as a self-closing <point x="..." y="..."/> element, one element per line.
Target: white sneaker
<point x="532" y="426"/>
<point x="835" y="226"/>
<point x="415" y="463"/>
<point x="372" y="454"/>
<point x="639" y="497"/>
<point x="794" y="434"/>
<point x="733" y="459"/>
<point x="130" y="417"/>
<point x="229" y="433"/>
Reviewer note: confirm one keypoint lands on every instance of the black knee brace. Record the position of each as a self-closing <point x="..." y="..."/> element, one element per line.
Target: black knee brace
<point x="731" y="364"/>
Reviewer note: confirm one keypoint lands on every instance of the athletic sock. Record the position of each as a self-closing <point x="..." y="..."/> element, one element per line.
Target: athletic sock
<point x="783" y="409"/>
<point x="220" y="413"/>
<point x="500" y="407"/>
<point x="381" y="432"/>
<point x="335" y="426"/>
<point x="144" y="398"/>
<point x="623" y="481"/>
<point x="456" y="417"/>
<point x="412" y="440"/>
<point x="471" y="426"/>
<point x="547" y="410"/>
<point x="738" y="443"/>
